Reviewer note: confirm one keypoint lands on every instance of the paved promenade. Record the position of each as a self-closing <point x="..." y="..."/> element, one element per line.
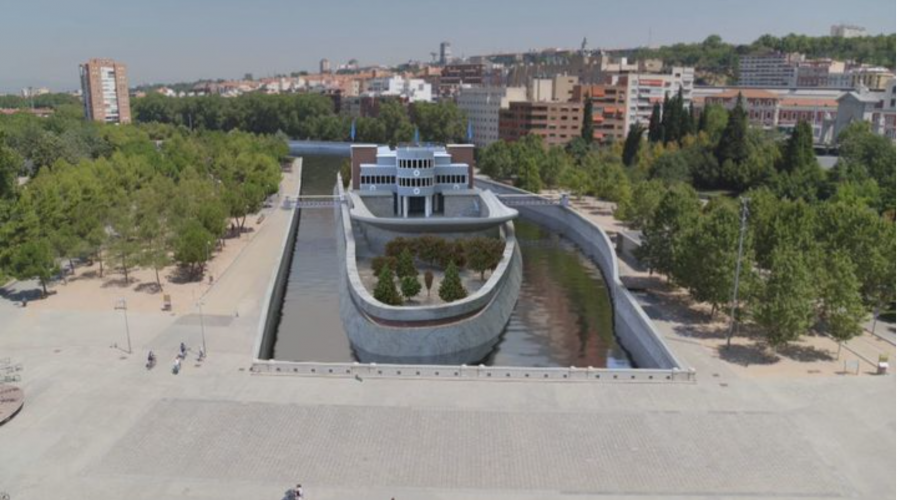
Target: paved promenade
<point x="96" y="424"/>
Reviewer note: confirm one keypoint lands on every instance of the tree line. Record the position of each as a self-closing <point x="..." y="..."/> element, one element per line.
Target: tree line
<point x="713" y="56"/>
<point x="806" y="264"/>
<point x="305" y="116"/>
<point x="148" y="196"/>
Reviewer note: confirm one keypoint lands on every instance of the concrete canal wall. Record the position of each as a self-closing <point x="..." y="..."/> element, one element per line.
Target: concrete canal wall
<point x="634" y="328"/>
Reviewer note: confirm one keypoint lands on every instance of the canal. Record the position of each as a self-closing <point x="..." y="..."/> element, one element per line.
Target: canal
<point x="563" y="316"/>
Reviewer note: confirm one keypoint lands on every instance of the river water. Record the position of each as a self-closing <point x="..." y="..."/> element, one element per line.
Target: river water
<point x="563" y="316"/>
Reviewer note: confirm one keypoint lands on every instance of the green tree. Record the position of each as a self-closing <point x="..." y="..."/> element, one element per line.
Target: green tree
<point x="34" y="259"/>
<point x="842" y="309"/>
<point x="396" y="122"/>
<point x="405" y="265"/>
<point x="709" y="255"/>
<point x="733" y="143"/>
<point x="643" y="203"/>
<point x="441" y="122"/>
<point x="785" y="304"/>
<point x="632" y="144"/>
<point x="587" y="121"/>
<point x="410" y="286"/>
<point x="655" y="132"/>
<point x="191" y="245"/>
<point x="386" y="289"/>
<point x="483" y="254"/>
<point x="666" y="232"/>
<point x="451" y="288"/>
<point x="10" y="164"/>
<point x="713" y="121"/>
<point x="530" y="180"/>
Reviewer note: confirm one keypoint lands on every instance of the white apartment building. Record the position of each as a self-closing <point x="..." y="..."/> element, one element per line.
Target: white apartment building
<point x="847" y="31"/>
<point x="645" y="90"/>
<point x="771" y="70"/>
<point x="413" y="89"/>
<point x="482" y="106"/>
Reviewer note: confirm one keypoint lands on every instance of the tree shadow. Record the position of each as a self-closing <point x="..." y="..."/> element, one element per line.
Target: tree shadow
<point x="87" y="275"/>
<point x="118" y="283"/>
<point x="746" y="355"/>
<point x="151" y="288"/>
<point x="805" y="353"/>
<point x="182" y="275"/>
<point x="30" y="295"/>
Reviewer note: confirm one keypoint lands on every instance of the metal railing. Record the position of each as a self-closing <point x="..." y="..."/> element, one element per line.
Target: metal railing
<point x="467" y="372"/>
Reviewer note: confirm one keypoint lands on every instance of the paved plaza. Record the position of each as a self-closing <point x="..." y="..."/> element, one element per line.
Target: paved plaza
<point x="96" y="424"/>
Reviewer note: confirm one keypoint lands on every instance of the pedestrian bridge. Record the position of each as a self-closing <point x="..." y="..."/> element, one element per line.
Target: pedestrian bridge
<point x="510" y="200"/>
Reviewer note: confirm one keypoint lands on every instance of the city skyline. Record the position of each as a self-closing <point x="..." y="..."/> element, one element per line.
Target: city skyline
<point x="205" y="40"/>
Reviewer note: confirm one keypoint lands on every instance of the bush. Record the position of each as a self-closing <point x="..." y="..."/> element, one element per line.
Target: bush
<point x="410" y="286"/>
<point x="430" y="248"/>
<point x="451" y="288"/>
<point x="396" y="246"/>
<point x="484" y="253"/>
<point x="379" y="262"/>
<point x="386" y="289"/>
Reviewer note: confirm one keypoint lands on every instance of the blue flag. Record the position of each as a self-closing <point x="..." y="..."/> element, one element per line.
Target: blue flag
<point x="416" y="138"/>
<point x="353" y="131"/>
<point x="469" y="131"/>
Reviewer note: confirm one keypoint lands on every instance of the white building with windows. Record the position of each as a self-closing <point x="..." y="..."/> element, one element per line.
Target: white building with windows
<point x="415" y="177"/>
<point x="645" y="90"/>
<point x="412" y="89"/>
<point x="482" y="106"/>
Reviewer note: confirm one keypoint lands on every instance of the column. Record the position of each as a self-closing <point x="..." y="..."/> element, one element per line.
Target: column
<point x="428" y="206"/>
<point x="405" y="206"/>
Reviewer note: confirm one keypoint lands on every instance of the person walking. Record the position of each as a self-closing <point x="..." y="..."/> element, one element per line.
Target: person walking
<point x="176" y="366"/>
<point x="298" y="492"/>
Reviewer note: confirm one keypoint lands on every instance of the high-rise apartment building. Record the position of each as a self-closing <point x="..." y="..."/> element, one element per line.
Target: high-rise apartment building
<point x="482" y="106"/>
<point x="628" y="99"/>
<point x="324" y="66"/>
<point x="769" y="70"/>
<point x="556" y="123"/>
<point x="104" y="87"/>
<point x="445" y="54"/>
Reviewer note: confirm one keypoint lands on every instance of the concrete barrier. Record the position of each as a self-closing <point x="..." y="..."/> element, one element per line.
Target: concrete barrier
<point x="633" y="327"/>
<point x="470" y="372"/>
<point x="273" y="300"/>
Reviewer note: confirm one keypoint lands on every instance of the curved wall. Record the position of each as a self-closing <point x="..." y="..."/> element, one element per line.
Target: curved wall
<point x="460" y="332"/>
<point x="634" y="328"/>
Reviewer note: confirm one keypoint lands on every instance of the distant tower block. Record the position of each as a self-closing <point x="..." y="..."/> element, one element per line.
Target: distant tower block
<point x="445" y="54"/>
<point x="104" y="88"/>
<point x="324" y="66"/>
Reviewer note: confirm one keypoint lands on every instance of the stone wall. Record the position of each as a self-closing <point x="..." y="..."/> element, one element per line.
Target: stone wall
<point x="462" y="205"/>
<point x="634" y="328"/>
<point x="381" y="204"/>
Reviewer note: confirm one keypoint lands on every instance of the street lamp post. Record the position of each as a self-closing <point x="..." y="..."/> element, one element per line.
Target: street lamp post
<point x="123" y="305"/>
<point x="202" y="326"/>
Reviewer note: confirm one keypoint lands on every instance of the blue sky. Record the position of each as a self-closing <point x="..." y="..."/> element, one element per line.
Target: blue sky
<point x="42" y="41"/>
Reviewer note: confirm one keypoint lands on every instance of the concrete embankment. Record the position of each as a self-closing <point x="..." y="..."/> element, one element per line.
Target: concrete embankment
<point x="634" y="328"/>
